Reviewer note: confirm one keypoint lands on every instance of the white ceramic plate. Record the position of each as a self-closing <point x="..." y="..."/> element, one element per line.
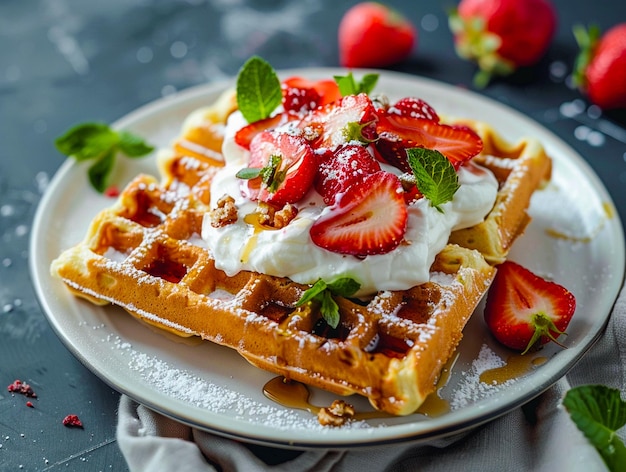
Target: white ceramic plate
<point x="211" y="387"/>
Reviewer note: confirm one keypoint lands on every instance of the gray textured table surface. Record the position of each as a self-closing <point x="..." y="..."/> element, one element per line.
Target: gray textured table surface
<point x="67" y="61"/>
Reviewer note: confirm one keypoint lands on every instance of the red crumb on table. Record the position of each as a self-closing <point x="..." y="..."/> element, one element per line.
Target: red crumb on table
<point x="21" y="387"/>
<point x="72" y="421"/>
<point x="29" y="404"/>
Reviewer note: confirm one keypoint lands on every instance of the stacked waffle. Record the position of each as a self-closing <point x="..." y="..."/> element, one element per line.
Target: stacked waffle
<point x="146" y="255"/>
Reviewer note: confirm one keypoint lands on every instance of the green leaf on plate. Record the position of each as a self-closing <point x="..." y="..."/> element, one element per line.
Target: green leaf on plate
<point x="132" y="145"/>
<point x="100" y="171"/>
<point x="99" y="142"/>
<point x="87" y="141"/>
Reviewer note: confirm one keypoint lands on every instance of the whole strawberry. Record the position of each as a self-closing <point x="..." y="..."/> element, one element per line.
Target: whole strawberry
<point x="601" y="65"/>
<point x="523" y="309"/>
<point x="502" y="35"/>
<point x="374" y="35"/>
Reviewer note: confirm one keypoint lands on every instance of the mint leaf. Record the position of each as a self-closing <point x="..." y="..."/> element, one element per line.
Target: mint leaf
<point x="87" y="141"/>
<point x="598" y="411"/>
<point x="310" y="294"/>
<point x="436" y="178"/>
<point x="322" y="293"/>
<point x="248" y="173"/>
<point x="99" y="142"/>
<point x="348" y="85"/>
<point x="345" y="287"/>
<point x="100" y="171"/>
<point x="330" y="310"/>
<point x="258" y="89"/>
<point x="132" y="145"/>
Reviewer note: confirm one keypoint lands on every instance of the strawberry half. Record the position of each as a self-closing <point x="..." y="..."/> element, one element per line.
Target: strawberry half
<point x="369" y="218"/>
<point x="342" y="121"/>
<point x="286" y="165"/>
<point x="397" y="133"/>
<point x="341" y="168"/>
<point x="523" y="308"/>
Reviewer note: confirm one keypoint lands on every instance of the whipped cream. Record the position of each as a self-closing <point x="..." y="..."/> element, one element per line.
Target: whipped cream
<point x="289" y="251"/>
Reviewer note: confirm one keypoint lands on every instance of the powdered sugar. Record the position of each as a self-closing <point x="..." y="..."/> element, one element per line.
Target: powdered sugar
<point x="188" y="387"/>
<point x="470" y="389"/>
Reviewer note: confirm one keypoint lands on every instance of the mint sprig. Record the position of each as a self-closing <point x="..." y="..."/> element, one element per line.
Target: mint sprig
<point x="99" y="142"/>
<point x="323" y="293"/>
<point x="270" y="175"/>
<point x="436" y="177"/>
<point x="599" y="411"/>
<point x="348" y="85"/>
<point x="258" y="89"/>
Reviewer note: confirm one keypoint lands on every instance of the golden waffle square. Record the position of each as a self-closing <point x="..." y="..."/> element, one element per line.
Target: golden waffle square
<point x="145" y="255"/>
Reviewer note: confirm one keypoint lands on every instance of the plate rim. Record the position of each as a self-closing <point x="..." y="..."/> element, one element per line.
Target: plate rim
<point x="405" y="435"/>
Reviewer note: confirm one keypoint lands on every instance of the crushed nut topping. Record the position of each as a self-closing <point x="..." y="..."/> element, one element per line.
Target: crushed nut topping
<point x="277" y="219"/>
<point x="337" y="414"/>
<point x="225" y="213"/>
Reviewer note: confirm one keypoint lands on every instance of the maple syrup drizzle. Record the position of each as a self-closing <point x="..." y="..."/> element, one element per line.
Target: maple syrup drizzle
<point x="253" y="220"/>
<point x="516" y="366"/>
<point x="435" y="405"/>
<point x="292" y="394"/>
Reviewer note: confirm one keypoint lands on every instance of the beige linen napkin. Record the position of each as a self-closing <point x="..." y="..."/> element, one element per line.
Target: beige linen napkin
<point x="536" y="437"/>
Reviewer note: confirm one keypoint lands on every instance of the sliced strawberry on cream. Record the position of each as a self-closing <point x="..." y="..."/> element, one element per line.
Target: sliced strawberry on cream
<point x="414" y="108"/>
<point x="245" y="135"/>
<point x="396" y="133"/>
<point x="341" y="168"/>
<point x="341" y="121"/>
<point x="357" y="213"/>
<point x="369" y="218"/>
<point x="300" y="94"/>
<point x="286" y="168"/>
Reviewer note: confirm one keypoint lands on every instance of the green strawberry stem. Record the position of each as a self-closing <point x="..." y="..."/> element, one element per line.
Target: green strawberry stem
<point x="544" y="326"/>
<point x="475" y="43"/>
<point x="587" y="40"/>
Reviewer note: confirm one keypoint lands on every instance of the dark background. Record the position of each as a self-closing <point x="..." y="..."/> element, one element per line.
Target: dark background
<point x="63" y="62"/>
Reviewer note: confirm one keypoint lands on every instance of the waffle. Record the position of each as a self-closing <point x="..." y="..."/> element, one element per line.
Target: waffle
<point x="144" y="254"/>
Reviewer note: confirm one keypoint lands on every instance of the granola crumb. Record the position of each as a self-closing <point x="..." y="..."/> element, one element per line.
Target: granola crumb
<point x="337" y="414"/>
<point x="225" y="213"/>
<point x="277" y="219"/>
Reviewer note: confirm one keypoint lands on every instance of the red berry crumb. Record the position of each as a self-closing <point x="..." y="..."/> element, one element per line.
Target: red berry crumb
<point x="72" y="421"/>
<point x="20" y="387"/>
<point x="112" y="191"/>
<point x="29" y="404"/>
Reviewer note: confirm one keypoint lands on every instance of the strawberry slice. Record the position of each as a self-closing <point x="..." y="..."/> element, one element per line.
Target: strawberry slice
<point x="286" y="166"/>
<point x="414" y="108"/>
<point x="523" y="309"/>
<point x="369" y="218"/>
<point x="303" y="94"/>
<point x="397" y="133"/>
<point x="244" y="136"/>
<point x="348" y="119"/>
<point x="341" y="168"/>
